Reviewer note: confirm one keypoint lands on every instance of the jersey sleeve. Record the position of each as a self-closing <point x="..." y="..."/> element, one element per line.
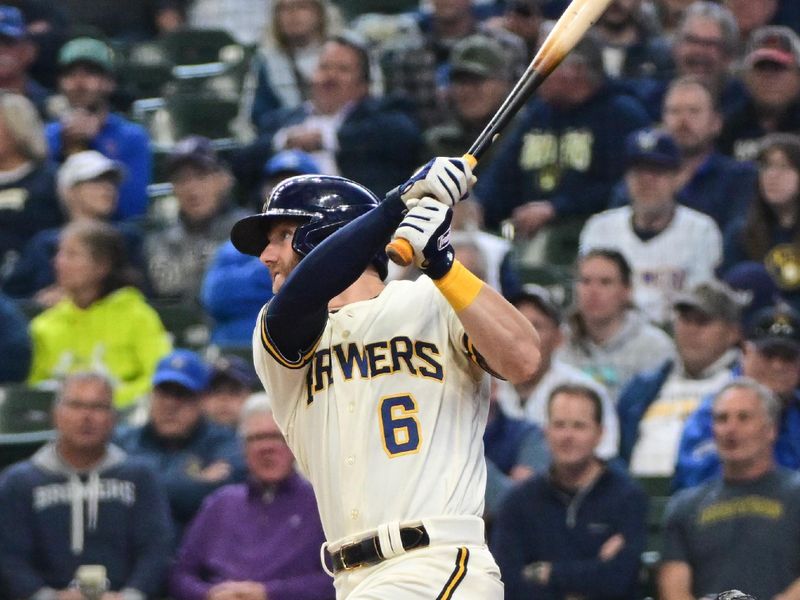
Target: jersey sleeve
<point x="283" y="378"/>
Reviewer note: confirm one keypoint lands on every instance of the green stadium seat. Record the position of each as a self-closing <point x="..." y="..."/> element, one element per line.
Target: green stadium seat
<point x="197" y="46"/>
<point x="206" y="115"/>
<point x="556" y="278"/>
<point x="25" y="421"/>
<point x="187" y="323"/>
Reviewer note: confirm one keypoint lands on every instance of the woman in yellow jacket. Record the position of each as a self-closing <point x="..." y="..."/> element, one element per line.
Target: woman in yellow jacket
<point x="103" y="321"/>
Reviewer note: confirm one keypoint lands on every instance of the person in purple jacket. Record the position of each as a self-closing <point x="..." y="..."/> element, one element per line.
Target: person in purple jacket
<point x="258" y="540"/>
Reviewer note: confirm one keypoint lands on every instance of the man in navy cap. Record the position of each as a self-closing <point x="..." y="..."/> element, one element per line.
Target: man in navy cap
<point x="192" y="456"/>
<point x="670" y="247"/>
<point x="178" y="255"/>
<point x="233" y="379"/>
<point x="17" y="53"/>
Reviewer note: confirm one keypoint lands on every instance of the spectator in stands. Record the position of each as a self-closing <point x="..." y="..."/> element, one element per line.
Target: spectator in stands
<point x="28" y="200"/>
<point x="579" y="529"/>
<point x="515" y="450"/>
<point x="46" y="25"/>
<point x="705" y="47"/>
<point x="235" y="286"/>
<point x="564" y="155"/>
<point x="710" y="182"/>
<point x="86" y="79"/>
<point x="606" y="336"/>
<point x="480" y="79"/>
<point x="281" y="165"/>
<point x="655" y="404"/>
<point x="17" y="52"/>
<point x="772" y="77"/>
<point x="344" y="128"/>
<point x="136" y="22"/>
<point x="284" y="64"/>
<point x="232" y="382"/>
<point x="81" y="501"/>
<point x="234" y="289"/>
<point x="769" y="232"/>
<point x="751" y="16"/>
<point x="669" y="14"/>
<point x="670" y="247"/>
<point x="103" y="322"/>
<point x="415" y="64"/>
<point x="247" y="20"/>
<point x="529" y="400"/>
<point x="258" y="539"/>
<point x="88" y="187"/>
<point x="524" y="19"/>
<point x="15" y="342"/>
<point x="740" y="529"/>
<point x="192" y="455"/>
<point x="633" y="47"/>
<point x="771" y="356"/>
<point x="178" y="255"/>
<point x="755" y="287"/>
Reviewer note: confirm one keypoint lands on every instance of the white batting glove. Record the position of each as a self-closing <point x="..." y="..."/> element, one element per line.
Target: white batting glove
<point x="426" y="227"/>
<point x="448" y="180"/>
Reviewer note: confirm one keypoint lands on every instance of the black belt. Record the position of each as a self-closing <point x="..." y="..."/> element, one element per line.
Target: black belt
<point x="368" y="551"/>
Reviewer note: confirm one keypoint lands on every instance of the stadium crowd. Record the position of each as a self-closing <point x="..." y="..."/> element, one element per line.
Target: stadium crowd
<point x="642" y="212"/>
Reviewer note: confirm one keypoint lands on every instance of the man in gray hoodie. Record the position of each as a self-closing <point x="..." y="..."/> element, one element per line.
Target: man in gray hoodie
<point x="81" y="501"/>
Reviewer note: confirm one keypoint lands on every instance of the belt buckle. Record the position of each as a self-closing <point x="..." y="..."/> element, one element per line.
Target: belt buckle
<point x="341" y="553"/>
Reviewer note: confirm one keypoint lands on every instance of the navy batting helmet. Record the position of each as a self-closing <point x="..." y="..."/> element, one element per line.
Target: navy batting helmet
<point x="323" y="203"/>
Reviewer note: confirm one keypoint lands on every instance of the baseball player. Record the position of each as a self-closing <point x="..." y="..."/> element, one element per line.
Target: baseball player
<point x="378" y="388"/>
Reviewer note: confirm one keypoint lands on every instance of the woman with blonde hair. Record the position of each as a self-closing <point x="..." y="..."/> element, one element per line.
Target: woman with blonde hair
<point x="284" y="62"/>
<point x="28" y="201"/>
<point x="103" y="322"/>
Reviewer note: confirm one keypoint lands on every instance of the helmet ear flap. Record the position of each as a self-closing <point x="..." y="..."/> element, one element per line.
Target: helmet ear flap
<point x="309" y="235"/>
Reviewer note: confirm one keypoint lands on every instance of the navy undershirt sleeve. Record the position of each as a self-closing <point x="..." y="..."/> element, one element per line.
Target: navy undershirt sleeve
<point x="296" y="316"/>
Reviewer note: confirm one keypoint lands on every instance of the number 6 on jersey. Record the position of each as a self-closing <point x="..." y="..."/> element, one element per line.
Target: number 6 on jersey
<point x="399" y="425"/>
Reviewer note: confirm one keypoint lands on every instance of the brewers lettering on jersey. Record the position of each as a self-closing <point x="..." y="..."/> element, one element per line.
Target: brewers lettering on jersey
<point x="381" y="389"/>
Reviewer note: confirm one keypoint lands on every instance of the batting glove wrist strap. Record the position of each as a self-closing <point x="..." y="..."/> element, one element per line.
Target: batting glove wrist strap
<point x="426" y="227"/>
<point x="459" y="286"/>
<point x="448" y="180"/>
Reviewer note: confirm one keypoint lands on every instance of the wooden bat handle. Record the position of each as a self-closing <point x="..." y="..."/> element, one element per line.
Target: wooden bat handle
<point x="399" y="250"/>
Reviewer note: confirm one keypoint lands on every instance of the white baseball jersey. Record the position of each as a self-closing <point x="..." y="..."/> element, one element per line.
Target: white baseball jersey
<point x="386" y="414"/>
<point x="683" y="255"/>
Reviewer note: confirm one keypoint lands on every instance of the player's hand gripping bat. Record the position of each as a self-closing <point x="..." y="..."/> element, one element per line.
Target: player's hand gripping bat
<point x="568" y="30"/>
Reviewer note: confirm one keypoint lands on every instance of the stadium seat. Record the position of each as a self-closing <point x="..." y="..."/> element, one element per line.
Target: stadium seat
<point x="556" y="278"/>
<point x="658" y="489"/>
<point x="25" y="421"/>
<point x="187" y="323"/>
<point x="206" y="115"/>
<point x="144" y="70"/>
<point x="197" y="46"/>
<point x="554" y="244"/>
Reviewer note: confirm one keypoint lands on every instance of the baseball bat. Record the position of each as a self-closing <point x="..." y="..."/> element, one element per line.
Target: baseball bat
<point x="565" y="34"/>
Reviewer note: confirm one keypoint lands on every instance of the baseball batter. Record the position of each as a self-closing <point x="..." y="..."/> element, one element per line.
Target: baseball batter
<point x="379" y="388"/>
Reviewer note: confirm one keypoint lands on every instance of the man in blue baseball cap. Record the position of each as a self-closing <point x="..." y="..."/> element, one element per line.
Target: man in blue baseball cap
<point x="283" y="164"/>
<point x="192" y="455"/>
<point x="17" y="53"/>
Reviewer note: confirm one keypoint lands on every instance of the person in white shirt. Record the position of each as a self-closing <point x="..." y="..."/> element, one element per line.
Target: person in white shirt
<point x="670" y="247"/>
<point x="528" y="400"/>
